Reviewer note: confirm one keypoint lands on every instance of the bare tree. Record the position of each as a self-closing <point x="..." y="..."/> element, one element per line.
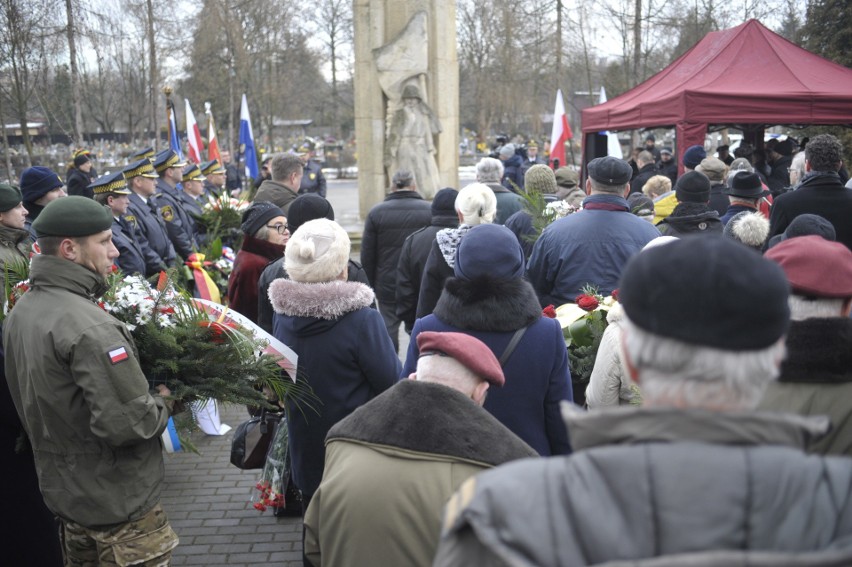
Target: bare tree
<point x="333" y="20"/>
<point x="75" y="74"/>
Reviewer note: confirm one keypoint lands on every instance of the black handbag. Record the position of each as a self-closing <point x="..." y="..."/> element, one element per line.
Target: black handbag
<point x="252" y="439"/>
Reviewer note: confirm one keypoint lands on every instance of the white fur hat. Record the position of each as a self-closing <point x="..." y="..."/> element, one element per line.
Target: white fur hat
<point x="477" y="204"/>
<point x="317" y="252"/>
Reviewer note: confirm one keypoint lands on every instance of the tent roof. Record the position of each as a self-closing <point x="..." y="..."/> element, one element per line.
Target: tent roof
<point x="743" y="75"/>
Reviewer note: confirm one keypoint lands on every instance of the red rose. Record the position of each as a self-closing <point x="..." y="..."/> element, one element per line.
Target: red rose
<point x="587" y="302"/>
<point x="259" y="506"/>
<point x="549" y="312"/>
<point x="615" y="294"/>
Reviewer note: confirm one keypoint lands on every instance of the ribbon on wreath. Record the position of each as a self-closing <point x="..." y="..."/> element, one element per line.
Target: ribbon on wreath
<point x="204" y="284"/>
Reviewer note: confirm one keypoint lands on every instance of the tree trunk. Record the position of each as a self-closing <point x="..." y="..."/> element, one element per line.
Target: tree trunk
<point x="75" y="78"/>
<point x="7" y="154"/>
<point x="637" y="41"/>
<point x="153" y="80"/>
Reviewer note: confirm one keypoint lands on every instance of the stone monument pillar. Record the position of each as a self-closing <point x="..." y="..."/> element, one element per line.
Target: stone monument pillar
<point x="406" y="95"/>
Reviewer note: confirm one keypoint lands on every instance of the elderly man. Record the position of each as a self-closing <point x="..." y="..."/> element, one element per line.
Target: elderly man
<point x="590" y="246"/>
<point x="816" y="376"/>
<point x="717" y="172"/>
<point x="393" y="463"/>
<point x="83" y="399"/>
<point x="489" y="171"/>
<point x="695" y="476"/>
<point x="744" y="194"/>
<point x="282" y="189"/>
<point x="820" y="191"/>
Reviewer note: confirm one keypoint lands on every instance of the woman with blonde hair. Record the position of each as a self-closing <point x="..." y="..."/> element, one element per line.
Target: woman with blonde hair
<point x="475" y="205"/>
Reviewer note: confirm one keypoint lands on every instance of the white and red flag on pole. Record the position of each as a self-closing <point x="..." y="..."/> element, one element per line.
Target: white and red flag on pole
<point x="561" y="130"/>
<point x="193" y="135"/>
<point x="212" y="142"/>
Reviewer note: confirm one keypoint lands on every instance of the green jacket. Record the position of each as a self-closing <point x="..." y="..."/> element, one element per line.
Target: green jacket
<point x="15" y="246"/>
<point x="84" y="402"/>
<point x="390" y="467"/>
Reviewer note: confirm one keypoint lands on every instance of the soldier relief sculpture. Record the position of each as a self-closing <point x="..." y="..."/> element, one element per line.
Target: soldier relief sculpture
<point x="411" y="125"/>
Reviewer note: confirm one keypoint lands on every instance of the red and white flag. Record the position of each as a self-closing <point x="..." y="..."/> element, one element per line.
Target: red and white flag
<point x="561" y="130"/>
<point x="212" y="142"/>
<point x="193" y="135"/>
<point x="117" y="355"/>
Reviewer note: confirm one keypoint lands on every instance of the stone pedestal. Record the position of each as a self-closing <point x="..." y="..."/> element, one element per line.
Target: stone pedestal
<point x="384" y="28"/>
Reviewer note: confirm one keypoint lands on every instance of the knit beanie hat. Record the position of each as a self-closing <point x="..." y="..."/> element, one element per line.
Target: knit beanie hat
<point x="477" y="204"/>
<point x="692" y="187"/>
<point x="640" y="205"/>
<point x="38" y="181"/>
<point x="507" y="151"/>
<point x="749" y="228"/>
<point x="444" y="202"/>
<point x="489" y="249"/>
<point x="317" y="252"/>
<point x="10" y="197"/>
<point x="804" y="225"/>
<point x="257" y="215"/>
<point x="80" y="158"/>
<point x="540" y="179"/>
<point x="308" y="207"/>
<point x="693" y="156"/>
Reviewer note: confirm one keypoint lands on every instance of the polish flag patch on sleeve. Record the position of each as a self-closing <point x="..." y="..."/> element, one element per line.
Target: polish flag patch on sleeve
<point x="117" y="355"/>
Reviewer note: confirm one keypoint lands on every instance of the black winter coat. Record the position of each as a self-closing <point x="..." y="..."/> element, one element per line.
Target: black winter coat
<point x="412" y="264"/>
<point x="691" y="218"/>
<point x="642" y="177"/>
<point x="820" y="194"/>
<point x="388" y="225"/>
<point x="719" y="201"/>
<point x="77" y="183"/>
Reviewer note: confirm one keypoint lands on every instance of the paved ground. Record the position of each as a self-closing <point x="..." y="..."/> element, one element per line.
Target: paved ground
<point x="207" y="501"/>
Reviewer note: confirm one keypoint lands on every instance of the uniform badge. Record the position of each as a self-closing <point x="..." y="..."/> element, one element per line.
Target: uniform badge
<point x="132" y="220"/>
<point x="167" y="213"/>
<point x="312" y="176"/>
<point x="117" y="355"/>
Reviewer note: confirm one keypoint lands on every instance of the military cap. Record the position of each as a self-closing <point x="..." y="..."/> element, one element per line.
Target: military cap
<point x="10" y="197"/>
<point x="193" y="173"/>
<point x="610" y="170"/>
<point x="532" y="144"/>
<point x="110" y="183"/>
<point x="212" y="167"/>
<point x="147" y="153"/>
<point x="468" y="351"/>
<point x="72" y="216"/>
<point x="142" y="167"/>
<point x="166" y="159"/>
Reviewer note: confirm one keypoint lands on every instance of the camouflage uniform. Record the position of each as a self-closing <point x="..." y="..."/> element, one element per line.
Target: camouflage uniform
<point x="147" y="541"/>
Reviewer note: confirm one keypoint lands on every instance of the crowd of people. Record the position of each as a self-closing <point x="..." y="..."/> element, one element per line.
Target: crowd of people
<point x="715" y="429"/>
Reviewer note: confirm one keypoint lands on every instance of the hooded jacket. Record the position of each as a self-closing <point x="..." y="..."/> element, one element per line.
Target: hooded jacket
<point x="390" y="467"/>
<point x="816" y="379"/>
<point x="691" y="218"/>
<point x="537" y="375"/>
<point x="661" y="487"/>
<point x="75" y="379"/>
<point x="345" y="357"/>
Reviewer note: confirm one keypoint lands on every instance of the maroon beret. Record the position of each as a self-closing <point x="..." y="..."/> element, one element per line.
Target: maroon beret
<point x="466" y="350"/>
<point x="815" y="266"/>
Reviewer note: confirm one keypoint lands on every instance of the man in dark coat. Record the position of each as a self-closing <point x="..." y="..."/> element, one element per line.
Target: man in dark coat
<point x="667" y="165"/>
<point x="404" y="453"/>
<point x="717" y="172"/>
<point x="647" y="169"/>
<point x="513" y="175"/>
<point x="692" y="215"/>
<point x="694" y="476"/>
<point x="820" y="192"/>
<point x="143" y="214"/>
<point x="816" y="375"/>
<point x="415" y="251"/>
<point x="281" y="189"/>
<point x="79" y="175"/>
<point x="178" y="224"/>
<point x="111" y="192"/>
<point x="313" y="180"/>
<point x="744" y="195"/>
<point x="782" y="157"/>
<point x="233" y="182"/>
<point x="387" y="226"/>
<point x="214" y="178"/>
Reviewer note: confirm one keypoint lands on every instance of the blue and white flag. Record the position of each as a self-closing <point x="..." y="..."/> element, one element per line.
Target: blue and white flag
<point x="247" y="149"/>
<point x="174" y="143"/>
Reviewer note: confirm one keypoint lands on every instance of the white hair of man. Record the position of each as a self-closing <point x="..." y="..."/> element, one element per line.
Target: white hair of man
<point x="797" y="168"/>
<point x="802" y="308"/>
<point x="489" y="170"/>
<point x="673" y="373"/>
<point x="448" y="372"/>
<point x="477" y="204"/>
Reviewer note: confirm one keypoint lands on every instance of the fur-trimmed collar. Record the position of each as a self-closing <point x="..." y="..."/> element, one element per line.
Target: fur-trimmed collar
<point x="328" y="300"/>
<point x="431" y="418"/>
<point x="488" y="304"/>
<point x="263" y="248"/>
<point x="819" y="351"/>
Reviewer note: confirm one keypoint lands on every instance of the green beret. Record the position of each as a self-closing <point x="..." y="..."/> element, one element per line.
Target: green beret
<point x="10" y="197"/>
<point x="72" y="216"/>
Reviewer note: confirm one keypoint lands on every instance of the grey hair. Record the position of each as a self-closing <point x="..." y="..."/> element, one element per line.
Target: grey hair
<point x="609" y="189"/>
<point x="262" y="233"/>
<point x="798" y="164"/>
<point x="675" y="373"/>
<point x="477" y="204"/>
<point x="802" y="308"/>
<point x="402" y="179"/>
<point x="448" y="372"/>
<point x="489" y="170"/>
<point x="284" y="165"/>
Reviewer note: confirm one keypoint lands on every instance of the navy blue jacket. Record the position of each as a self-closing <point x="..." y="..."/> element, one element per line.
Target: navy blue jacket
<point x="537" y="375"/>
<point x="345" y="356"/>
<point x="513" y="171"/>
<point x="178" y="224"/>
<point x="590" y="246"/>
<point x="313" y="181"/>
<point x="130" y="259"/>
<point x="143" y="217"/>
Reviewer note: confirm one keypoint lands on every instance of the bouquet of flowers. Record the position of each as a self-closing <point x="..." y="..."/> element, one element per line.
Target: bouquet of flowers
<point x="221" y="218"/>
<point x="583" y="323"/>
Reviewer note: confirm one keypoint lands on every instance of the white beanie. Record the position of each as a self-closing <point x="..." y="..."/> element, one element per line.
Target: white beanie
<point x="317" y="252"/>
<point x="477" y="204"/>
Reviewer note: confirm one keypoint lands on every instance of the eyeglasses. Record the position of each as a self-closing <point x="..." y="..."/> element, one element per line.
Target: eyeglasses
<point x="279" y="228"/>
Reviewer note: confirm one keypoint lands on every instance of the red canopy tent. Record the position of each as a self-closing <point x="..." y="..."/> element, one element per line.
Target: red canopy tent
<point x="746" y="77"/>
